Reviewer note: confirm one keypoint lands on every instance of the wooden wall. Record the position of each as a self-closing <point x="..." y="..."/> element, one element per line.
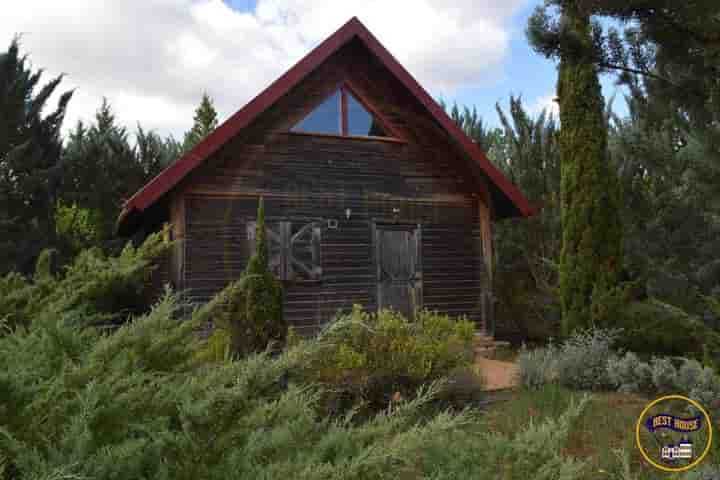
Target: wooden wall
<point x="420" y="180"/>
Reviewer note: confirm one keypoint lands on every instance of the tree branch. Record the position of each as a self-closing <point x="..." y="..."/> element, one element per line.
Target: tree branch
<point x="644" y="73"/>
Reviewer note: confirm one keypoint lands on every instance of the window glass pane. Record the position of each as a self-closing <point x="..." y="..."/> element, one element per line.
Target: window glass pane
<point x="324" y="119"/>
<point x="360" y="121"/>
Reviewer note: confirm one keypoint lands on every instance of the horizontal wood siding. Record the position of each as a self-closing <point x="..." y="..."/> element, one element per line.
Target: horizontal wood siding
<point x="420" y="180"/>
<point x="218" y="250"/>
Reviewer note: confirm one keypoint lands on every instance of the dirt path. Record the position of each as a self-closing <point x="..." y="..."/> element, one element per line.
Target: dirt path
<point x="498" y="375"/>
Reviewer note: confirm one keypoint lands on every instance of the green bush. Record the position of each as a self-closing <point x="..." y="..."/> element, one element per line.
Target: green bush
<point x="251" y="318"/>
<point x="136" y="403"/>
<point x="375" y="356"/>
<point x="97" y="288"/>
<point x="657" y="328"/>
<point x="531" y="452"/>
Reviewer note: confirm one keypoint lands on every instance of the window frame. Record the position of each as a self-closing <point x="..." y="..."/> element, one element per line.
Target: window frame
<point x="344" y="88"/>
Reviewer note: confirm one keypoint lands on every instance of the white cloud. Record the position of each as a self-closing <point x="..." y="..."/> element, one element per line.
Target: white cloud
<point x="153" y="58"/>
<point x="547" y="103"/>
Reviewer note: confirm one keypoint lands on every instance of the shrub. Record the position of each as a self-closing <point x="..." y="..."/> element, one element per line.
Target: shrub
<point x="629" y="374"/>
<point x="253" y="315"/>
<point x="375" y="356"/>
<point x="538" y="367"/>
<point x="580" y="362"/>
<point x="664" y="375"/>
<point x="657" y="328"/>
<point x="705" y="471"/>
<point x="583" y="357"/>
<point x="100" y="288"/>
<point x="135" y="403"/>
<point x="532" y="452"/>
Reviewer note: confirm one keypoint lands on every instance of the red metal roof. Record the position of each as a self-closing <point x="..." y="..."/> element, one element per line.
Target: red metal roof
<point x="174" y="173"/>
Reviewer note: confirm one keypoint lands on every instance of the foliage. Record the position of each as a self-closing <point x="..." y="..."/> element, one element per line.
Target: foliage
<point x="262" y="316"/>
<point x="527" y="249"/>
<point x="251" y="318"/>
<point x="629" y="374"/>
<point x="534" y="451"/>
<point x="79" y="226"/>
<point x="135" y="403"/>
<point x="102" y="169"/>
<point x="666" y="52"/>
<point x="669" y="58"/>
<point x="30" y="167"/>
<point x="670" y="210"/>
<point x="579" y="362"/>
<point x="705" y="471"/>
<point x="537" y="367"/>
<point x="582" y="359"/>
<point x="664" y="375"/>
<point x="204" y="122"/>
<point x="590" y="256"/>
<point x="371" y="357"/>
<point x="93" y="288"/>
<point x="666" y="150"/>
<point x="657" y="328"/>
<point x="473" y="126"/>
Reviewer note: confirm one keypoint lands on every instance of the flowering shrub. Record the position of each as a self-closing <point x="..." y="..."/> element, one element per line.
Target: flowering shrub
<point x="372" y="356"/>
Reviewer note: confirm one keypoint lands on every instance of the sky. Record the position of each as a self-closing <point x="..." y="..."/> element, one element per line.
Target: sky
<point x="153" y="59"/>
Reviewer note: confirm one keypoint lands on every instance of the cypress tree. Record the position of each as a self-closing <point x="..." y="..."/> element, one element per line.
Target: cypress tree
<point x="591" y="237"/>
<point x="255" y="310"/>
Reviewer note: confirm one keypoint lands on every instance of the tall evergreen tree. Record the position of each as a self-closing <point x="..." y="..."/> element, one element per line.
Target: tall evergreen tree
<point x="590" y="259"/>
<point x="30" y="166"/>
<point x="204" y="122"/>
<point x="104" y="168"/>
<point x="669" y="56"/>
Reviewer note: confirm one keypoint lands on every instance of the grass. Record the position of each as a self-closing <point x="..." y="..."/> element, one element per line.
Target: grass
<point x="606" y="427"/>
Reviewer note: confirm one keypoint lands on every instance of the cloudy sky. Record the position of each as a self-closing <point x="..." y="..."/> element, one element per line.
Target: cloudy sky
<point x="153" y="58"/>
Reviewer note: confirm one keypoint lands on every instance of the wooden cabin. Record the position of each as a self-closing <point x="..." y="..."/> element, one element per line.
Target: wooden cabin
<point x="372" y="194"/>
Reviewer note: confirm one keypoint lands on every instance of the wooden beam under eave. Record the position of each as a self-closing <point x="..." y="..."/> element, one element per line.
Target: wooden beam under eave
<point x="177" y="254"/>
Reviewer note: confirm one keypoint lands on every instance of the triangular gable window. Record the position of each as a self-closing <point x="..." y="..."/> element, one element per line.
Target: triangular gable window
<point x="342" y="113"/>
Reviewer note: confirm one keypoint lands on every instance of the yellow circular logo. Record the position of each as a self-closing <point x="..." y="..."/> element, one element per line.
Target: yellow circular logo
<point x="673" y="435"/>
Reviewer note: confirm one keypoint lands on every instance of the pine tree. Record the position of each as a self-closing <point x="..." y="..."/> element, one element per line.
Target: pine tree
<point x="103" y="168"/>
<point x="205" y="121"/>
<point x="30" y="164"/>
<point x="669" y="56"/>
<point x="590" y="259"/>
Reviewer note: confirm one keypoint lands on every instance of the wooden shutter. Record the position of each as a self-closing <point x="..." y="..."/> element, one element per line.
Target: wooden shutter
<point x="275" y="232"/>
<point x="294" y="248"/>
<point x="303" y="257"/>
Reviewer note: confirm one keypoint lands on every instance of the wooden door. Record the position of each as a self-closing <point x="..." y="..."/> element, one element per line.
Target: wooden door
<point x="399" y="267"/>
